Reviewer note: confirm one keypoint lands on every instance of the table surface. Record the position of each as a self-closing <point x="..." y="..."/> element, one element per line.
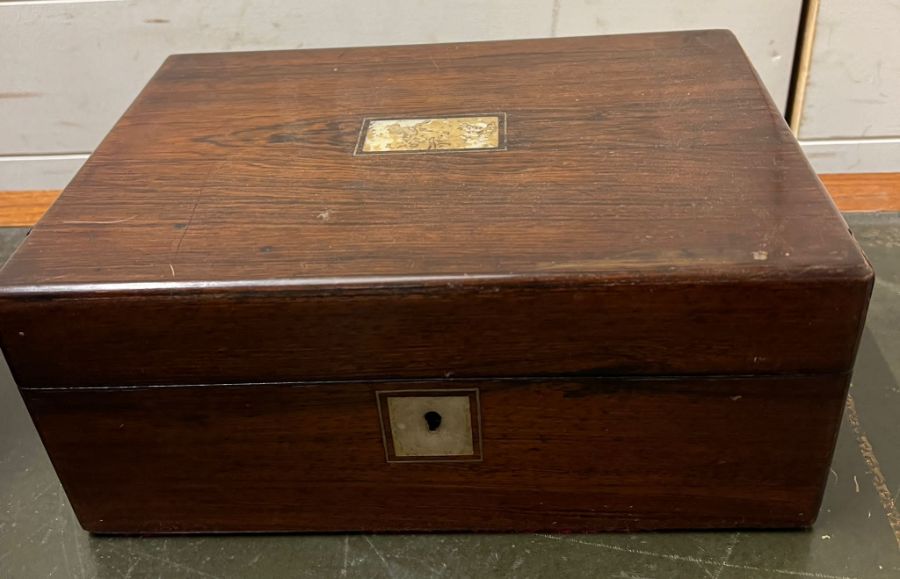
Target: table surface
<point x="857" y="534"/>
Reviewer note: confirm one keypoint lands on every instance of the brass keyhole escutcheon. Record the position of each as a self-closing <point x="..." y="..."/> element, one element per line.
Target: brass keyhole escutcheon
<point x="431" y="424"/>
<point x="433" y="419"/>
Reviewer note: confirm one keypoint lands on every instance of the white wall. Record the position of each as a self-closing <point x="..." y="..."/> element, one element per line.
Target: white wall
<point x="851" y="116"/>
<point x="68" y="69"/>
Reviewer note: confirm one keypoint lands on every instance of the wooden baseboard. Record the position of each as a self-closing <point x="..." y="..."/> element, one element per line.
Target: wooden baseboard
<point x="851" y="192"/>
<point x="864" y="191"/>
<point x="24" y="208"/>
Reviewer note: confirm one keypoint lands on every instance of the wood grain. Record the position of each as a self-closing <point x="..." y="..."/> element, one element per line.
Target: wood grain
<point x="226" y="226"/>
<point x="559" y="455"/>
<point x="24" y="208"/>
<point x="110" y="53"/>
<point x="240" y="166"/>
<point x="851" y="192"/>
<point x="432" y="329"/>
<point x="864" y="191"/>
<point x="650" y="286"/>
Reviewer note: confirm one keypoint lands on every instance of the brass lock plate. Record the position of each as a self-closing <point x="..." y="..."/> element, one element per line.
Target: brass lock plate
<point x="430" y="425"/>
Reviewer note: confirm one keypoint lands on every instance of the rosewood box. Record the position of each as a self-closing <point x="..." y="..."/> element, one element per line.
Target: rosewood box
<point x="574" y="284"/>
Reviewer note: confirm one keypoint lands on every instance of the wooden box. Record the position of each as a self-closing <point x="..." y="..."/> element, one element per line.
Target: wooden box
<point x="574" y="284"/>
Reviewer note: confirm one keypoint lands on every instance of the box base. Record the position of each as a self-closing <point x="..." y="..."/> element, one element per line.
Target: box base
<point x="558" y="455"/>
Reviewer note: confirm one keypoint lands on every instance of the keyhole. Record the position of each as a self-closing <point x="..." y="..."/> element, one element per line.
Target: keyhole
<point x="433" y="419"/>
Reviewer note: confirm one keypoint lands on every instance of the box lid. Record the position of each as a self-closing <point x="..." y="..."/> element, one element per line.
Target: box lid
<point x="605" y="205"/>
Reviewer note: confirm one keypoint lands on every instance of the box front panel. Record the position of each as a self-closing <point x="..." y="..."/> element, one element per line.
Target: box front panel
<point x="552" y="455"/>
<point x="473" y="330"/>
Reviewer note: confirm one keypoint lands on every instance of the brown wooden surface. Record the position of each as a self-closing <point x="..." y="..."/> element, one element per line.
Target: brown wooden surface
<point x="560" y="455"/>
<point x="513" y="328"/>
<point x="627" y="155"/>
<point x="651" y="216"/>
<point x="650" y="202"/>
<point x="851" y="192"/>
<point x="864" y="191"/>
<point x="24" y="208"/>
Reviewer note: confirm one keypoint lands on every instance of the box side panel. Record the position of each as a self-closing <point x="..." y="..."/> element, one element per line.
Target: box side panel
<point x="558" y="455"/>
<point x="184" y="337"/>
